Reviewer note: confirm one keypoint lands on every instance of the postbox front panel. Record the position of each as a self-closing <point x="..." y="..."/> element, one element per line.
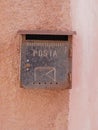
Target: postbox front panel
<point x="45" y="64"/>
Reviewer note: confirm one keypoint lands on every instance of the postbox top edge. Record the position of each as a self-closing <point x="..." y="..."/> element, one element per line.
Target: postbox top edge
<point x="46" y="32"/>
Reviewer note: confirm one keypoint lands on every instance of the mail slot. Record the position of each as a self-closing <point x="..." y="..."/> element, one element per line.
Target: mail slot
<point x="46" y="59"/>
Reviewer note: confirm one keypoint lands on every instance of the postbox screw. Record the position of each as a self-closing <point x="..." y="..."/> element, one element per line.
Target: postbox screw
<point x="27" y="60"/>
<point x="27" y="69"/>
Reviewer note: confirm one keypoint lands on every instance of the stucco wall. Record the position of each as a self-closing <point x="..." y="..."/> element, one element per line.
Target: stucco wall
<point x="83" y="108"/>
<point x="22" y="109"/>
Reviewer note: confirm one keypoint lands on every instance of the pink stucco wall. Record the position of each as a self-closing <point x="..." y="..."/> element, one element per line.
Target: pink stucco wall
<point x="45" y="109"/>
<point x="22" y="109"/>
<point x="83" y="108"/>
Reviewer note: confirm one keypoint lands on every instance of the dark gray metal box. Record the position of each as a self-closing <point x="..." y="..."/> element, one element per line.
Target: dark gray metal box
<point x="46" y="63"/>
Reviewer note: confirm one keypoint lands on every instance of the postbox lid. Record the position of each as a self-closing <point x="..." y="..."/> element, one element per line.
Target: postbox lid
<point x="46" y="32"/>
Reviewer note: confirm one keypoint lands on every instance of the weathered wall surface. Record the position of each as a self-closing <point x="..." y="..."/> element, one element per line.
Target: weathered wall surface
<point x="84" y="95"/>
<point x="22" y="109"/>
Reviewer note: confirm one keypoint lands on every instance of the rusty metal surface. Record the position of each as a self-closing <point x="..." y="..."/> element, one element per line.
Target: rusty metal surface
<point x="45" y="64"/>
<point x="46" y="32"/>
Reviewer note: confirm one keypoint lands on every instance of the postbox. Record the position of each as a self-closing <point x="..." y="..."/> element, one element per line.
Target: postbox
<point x="46" y="59"/>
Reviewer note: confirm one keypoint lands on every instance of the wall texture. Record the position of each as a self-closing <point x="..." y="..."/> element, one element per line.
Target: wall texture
<point x="83" y="112"/>
<point x="22" y="109"/>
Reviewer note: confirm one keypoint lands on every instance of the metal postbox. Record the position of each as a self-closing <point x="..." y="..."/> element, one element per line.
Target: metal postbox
<point x="46" y="59"/>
